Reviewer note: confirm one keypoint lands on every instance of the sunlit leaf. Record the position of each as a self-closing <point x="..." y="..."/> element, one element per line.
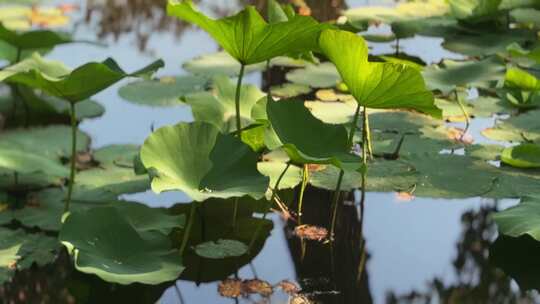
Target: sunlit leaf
<point x="522" y="156"/>
<point x="375" y="84"/>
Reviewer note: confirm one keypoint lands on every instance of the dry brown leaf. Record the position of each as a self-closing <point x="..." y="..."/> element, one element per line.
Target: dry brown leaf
<point x="230" y="288"/>
<point x="405" y="196"/>
<point x="310" y="232"/>
<point x="458" y="135"/>
<point x="316" y="167"/>
<point x="257" y="286"/>
<point x="289" y="287"/>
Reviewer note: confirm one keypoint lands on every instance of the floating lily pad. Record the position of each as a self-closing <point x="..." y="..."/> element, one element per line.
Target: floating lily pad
<point x="25" y="162"/>
<point x="520" y="128"/>
<point x="273" y="170"/>
<point x="333" y="112"/>
<point x="324" y="75"/>
<point x="221" y="249"/>
<point x="522" y="156"/>
<point x="185" y="155"/>
<point x="104" y="243"/>
<point x="486" y="43"/>
<point x="163" y="92"/>
<point x="521" y="219"/>
<point x="219" y="63"/>
<point x="469" y="74"/>
<point x="289" y="90"/>
<point x="19" y="250"/>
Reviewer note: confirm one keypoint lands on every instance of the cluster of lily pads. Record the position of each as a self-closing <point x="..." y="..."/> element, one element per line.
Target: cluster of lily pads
<point x="344" y="120"/>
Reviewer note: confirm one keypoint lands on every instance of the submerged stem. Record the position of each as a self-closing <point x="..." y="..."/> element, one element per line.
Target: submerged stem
<point x="73" y="155"/>
<point x="337" y="191"/>
<point x="237" y="100"/>
<point x="187" y="231"/>
<point x="305" y="180"/>
<point x="274" y="192"/>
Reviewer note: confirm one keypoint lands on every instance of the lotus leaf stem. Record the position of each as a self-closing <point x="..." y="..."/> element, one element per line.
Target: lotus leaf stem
<point x="235" y="212"/>
<point x="237" y="100"/>
<point x="187" y="231"/>
<point x="465" y="113"/>
<point x="73" y="156"/>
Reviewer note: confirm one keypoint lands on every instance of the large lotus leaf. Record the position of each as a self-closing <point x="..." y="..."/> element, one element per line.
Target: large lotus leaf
<point x="289" y="90"/>
<point x="484" y="152"/>
<point x="323" y="75"/>
<point x="515" y="182"/>
<point x="521" y="219"/>
<point x="517" y="257"/>
<point x="118" y="155"/>
<point x="38" y="39"/>
<point x="45" y="110"/>
<point x="527" y="16"/>
<point x="401" y="12"/>
<point x="214" y="222"/>
<point x="162" y="92"/>
<point x="522" y="156"/>
<point x="437" y="26"/>
<point x="467" y="74"/>
<point x="20" y="250"/>
<point x="103" y="242"/>
<point x="28" y="162"/>
<point x="52" y="142"/>
<point x="521" y="128"/>
<point x="185" y="154"/>
<point x="248" y="38"/>
<point x="516" y="51"/>
<point x="487" y="42"/>
<point x="401" y="122"/>
<point x="76" y="85"/>
<point x="428" y="141"/>
<point x="314" y="141"/>
<point x="375" y="84"/>
<point x="218" y="106"/>
<point x="219" y="63"/>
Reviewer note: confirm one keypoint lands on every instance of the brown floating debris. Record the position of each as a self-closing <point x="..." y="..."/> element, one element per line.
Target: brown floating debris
<point x="230" y="288"/>
<point x="289" y="287"/>
<point x="310" y="232"/>
<point x="257" y="286"/>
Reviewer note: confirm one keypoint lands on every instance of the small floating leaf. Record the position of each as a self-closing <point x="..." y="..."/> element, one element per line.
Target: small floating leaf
<point x="522" y="156"/>
<point x="221" y="249"/>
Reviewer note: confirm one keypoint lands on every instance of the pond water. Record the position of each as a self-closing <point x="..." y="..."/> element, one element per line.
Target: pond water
<point x="422" y="247"/>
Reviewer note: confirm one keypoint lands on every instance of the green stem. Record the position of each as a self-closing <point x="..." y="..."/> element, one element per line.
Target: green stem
<point x="73" y="156"/>
<point x="15" y="178"/>
<point x="187" y="231"/>
<point x="305" y="180"/>
<point x="274" y="192"/>
<point x="337" y="191"/>
<point x="235" y="213"/>
<point x="465" y="113"/>
<point x="237" y="101"/>
<point x="367" y="150"/>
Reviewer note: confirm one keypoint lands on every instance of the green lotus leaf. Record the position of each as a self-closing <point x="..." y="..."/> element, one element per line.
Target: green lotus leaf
<point x="20" y="250"/>
<point x="103" y="242"/>
<point x="198" y="160"/>
<point x="516" y="257"/>
<point x="221" y="249"/>
<point x="218" y="106"/>
<point x="333" y="112"/>
<point x="273" y="169"/>
<point x="516" y="51"/>
<point x="467" y="74"/>
<point x="116" y="155"/>
<point x="57" y="80"/>
<point x="248" y="38"/>
<point x="44" y="109"/>
<point x="520" y="219"/>
<point x="484" y="151"/>
<point x="518" y="78"/>
<point x="529" y="16"/>
<point x="28" y="162"/>
<point x="469" y="9"/>
<point x="436" y="26"/>
<point x="323" y="75"/>
<point x="375" y="84"/>
<point x="314" y="142"/>
<point x="32" y="40"/>
<point x="522" y="156"/>
<point x="163" y="92"/>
